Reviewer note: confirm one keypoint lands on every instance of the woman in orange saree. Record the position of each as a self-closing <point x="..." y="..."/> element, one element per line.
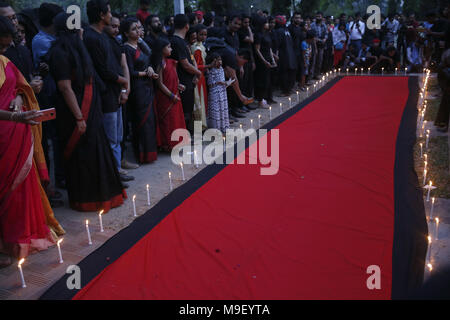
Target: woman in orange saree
<point x="23" y="227"/>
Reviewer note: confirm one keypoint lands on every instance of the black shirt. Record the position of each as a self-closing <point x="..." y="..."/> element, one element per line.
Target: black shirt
<point x="21" y="57"/>
<point x="180" y="51"/>
<point x="297" y="38"/>
<point x="376" y="51"/>
<point x="232" y="39"/>
<point x="102" y="55"/>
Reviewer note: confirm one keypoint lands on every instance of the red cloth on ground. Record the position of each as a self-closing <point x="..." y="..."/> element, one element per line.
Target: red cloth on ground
<point x="308" y="232"/>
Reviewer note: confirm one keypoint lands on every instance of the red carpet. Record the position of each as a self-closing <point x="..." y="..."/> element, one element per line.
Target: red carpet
<point x="309" y="232"/>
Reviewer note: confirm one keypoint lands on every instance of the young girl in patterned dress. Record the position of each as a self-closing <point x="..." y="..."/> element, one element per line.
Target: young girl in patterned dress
<point x="217" y="97"/>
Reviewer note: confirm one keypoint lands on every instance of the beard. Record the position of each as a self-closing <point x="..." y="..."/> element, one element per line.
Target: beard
<point x="157" y="29"/>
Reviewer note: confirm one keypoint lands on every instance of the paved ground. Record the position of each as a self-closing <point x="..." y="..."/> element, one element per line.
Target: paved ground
<point x="42" y="269"/>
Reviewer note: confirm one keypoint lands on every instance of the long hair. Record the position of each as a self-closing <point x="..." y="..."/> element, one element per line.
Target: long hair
<point x="70" y="42"/>
<point x="125" y="27"/>
<point x="157" y="54"/>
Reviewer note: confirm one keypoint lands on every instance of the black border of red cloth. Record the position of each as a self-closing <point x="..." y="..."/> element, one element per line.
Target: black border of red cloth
<point x="410" y="227"/>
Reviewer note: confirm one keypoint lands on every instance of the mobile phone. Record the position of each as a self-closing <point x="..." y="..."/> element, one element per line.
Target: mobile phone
<point x="46" y="115"/>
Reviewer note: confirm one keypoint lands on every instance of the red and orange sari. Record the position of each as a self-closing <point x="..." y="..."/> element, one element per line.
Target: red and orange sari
<point x="24" y="208"/>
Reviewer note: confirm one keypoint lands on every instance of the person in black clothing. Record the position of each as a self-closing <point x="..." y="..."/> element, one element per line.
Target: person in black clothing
<point x="246" y="39"/>
<point x="19" y="54"/>
<point x="274" y="71"/>
<point x="287" y="63"/>
<point x="442" y="116"/>
<point x="155" y="29"/>
<point x="298" y="36"/>
<point x="264" y="60"/>
<point x="143" y="117"/>
<point x="93" y="182"/>
<point x="110" y="72"/>
<point x="188" y="74"/>
<point x="389" y="60"/>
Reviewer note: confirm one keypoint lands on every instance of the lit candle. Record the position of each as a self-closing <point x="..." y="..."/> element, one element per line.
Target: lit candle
<point x="314" y="87"/>
<point x="430" y="267"/>
<point x="281" y="107"/>
<point x="224" y="144"/>
<point x="170" y="177"/>
<point x="437" y="228"/>
<point x="88" y="232"/>
<point x="432" y="209"/>
<point x="382" y="70"/>
<point x="425" y="164"/>
<point x="24" y="285"/>
<point x="426" y="157"/>
<point x="290" y="102"/>
<point x="182" y="171"/>
<point x="426" y="141"/>
<point x="251" y="122"/>
<point x="100" y="218"/>
<point x="421" y="150"/>
<point x="347" y="71"/>
<point x="356" y="70"/>
<point x="259" y="121"/>
<point x="134" y="206"/>
<point x="395" y="71"/>
<point x="148" y="195"/>
<point x="307" y="91"/>
<point x="297" y="97"/>
<point x="406" y="69"/>
<point x="362" y="70"/>
<point x="339" y="71"/>
<point x="270" y="113"/>
<point x="59" y="250"/>
<point x="369" y="70"/>
<point x="429" y="249"/>
<point x="424" y="176"/>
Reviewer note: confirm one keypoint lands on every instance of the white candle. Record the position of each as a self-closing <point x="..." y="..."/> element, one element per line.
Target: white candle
<point x="347" y="71"/>
<point x="182" y="171"/>
<point x="88" y="232"/>
<point x="406" y="69"/>
<point x="307" y="91"/>
<point x="270" y="113"/>
<point x="437" y="228"/>
<point x="251" y="123"/>
<point x="170" y="176"/>
<point x="148" y="195"/>
<point x="421" y="150"/>
<point x="369" y="70"/>
<point x="395" y="71"/>
<point x="382" y="70"/>
<point x="362" y="70"/>
<point x="259" y="121"/>
<point x="424" y="176"/>
<point x="100" y="218"/>
<point x="430" y="267"/>
<point x="24" y="285"/>
<point x="356" y="70"/>
<point x="134" y="206"/>
<point x="281" y="107"/>
<point x="339" y="71"/>
<point x="432" y="209"/>
<point x="426" y="157"/>
<point x="429" y="249"/>
<point x="290" y="102"/>
<point x="59" y="250"/>
<point x="426" y="141"/>
<point x="429" y="190"/>
<point x="297" y="97"/>
<point x="195" y="162"/>
<point x="425" y="164"/>
<point x="314" y="87"/>
<point x="224" y="144"/>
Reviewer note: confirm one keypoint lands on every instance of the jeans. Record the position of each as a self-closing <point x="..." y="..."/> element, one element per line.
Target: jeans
<point x="357" y="44"/>
<point x="112" y="121"/>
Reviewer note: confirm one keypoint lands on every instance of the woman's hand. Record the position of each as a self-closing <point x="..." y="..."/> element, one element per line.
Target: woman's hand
<point x="181" y="87"/>
<point x="16" y="103"/>
<point x="25" y="117"/>
<point x="81" y="126"/>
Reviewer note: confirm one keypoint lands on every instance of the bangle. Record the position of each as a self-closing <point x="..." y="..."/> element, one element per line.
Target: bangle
<point x="124" y="91"/>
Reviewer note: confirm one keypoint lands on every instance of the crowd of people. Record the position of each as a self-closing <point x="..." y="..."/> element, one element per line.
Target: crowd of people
<point x="136" y="78"/>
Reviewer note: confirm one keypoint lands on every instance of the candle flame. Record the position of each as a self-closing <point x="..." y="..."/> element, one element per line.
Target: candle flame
<point x="429" y="239"/>
<point x="21" y="262"/>
<point x="432" y="199"/>
<point x="170" y="174"/>
<point x="59" y="241"/>
<point x="87" y="222"/>
<point x="437" y="220"/>
<point x="147" y="187"/>
<point x="430" y="266"/>
<point x="101" y="212"/>
<point x="181" y="164"/>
